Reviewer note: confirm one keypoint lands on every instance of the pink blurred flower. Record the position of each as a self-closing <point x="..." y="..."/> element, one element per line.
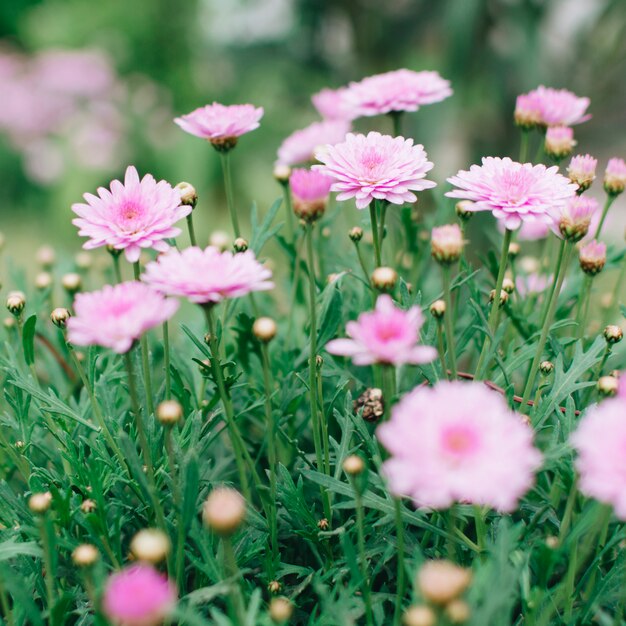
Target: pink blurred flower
<point x="386" y="335"/>
<point x="138" y="595"/>
<point x="309" y="185"/>
<point x="115" y="316"/>
<point x="557" y="107"/>
<point x="529" y="230"/>
<point x="219" y="123"/>
<point x="400" y="90"/>
<point x="207" y="276"/>
<point x="131" y="216"/>
<point x="527" y="112"/>
<point x="532" y="284"/>
<point x="600" y="441"/>
<point x="331" y="104"/>
<point x="300" y="146"/>
<point x="574" y="219"/>
<point x="458" y="442"/>
<point x="621" y="386"/>
<point x="582" y="170"/>
<point x="615" y="176"/>
<point x="559" y="141"/>
<point x="513" y="192"/>
<point x="375" y="167"/>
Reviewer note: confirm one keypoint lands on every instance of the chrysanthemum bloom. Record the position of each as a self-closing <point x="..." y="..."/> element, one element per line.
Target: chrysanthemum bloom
<point x="575" y="217"/>
<point x="310" y="190"/>
<point x="529" y="231"/>
<point x="592" y="257"/>
<point x="582" y="171"/>
<point x="138" y="596"/>
<point x="300" y="146"/>
<point x="220" y="124"/>
<point x="115" y="316"/>
<point x="447" y="243"/>
<point x="400" y="90"/>
<point x="512" y="191"/>
<point x="559" y="142"/>
<point x="377" y="167"/>
<point x="615" y="176"/>
<point x="207" y="276"/>
<point x="558" y="107"/>
<point x="527" y="113"/>
<point x="386" y="335"/>
<point x="131" y="216"/>
<point x="331" y="104"/>
<point x="458" y="442"/>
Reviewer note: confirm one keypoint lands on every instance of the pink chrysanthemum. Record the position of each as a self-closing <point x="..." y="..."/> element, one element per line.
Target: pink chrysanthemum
<point x="300" y="146"/>
<point x="574" y="219"/>
<point x="131" y="216"/>
<point x="582" y="170"/>
<point x="527" y="112"/>
<point x="375" y="167"/>
<point x="207" y="276"/>
<point x="400" y="90"/>
<point x="615" y="176"/>
<point x="592" y="257"/>
<point x="331" y="104"/>
<point x="512" y="191"/>
<point x="386" y="335"/>
<point x="557" y="107"/>
<point x="309" y="185"/>
<point x="115" y="316"/>
<point x="220" y="123"/>
<point x="138" y="596"/>
<point x="458" y="442"/>
<point x="600" y="441"/>
<point x="559" y="141"/>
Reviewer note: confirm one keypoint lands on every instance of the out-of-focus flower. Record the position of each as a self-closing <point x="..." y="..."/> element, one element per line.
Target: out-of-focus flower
<point x="331" y="104"/>
<point x="592" y="257"/>
<point x="512" y="191"/>
<point x="553" y="107"/>
<point x="377" y="167"/>
<point x="131" y="216"/>
<point x="532" y="284"/>
<point x="527" y="113"/>
<point x="386" y="335"/>
<point x="575" y="217"/>
<point x="559" y="141"/>
<point x="615" y="176"/>
<point x="207" y="276"/>
<point x="447" y="243"/>
<point x="529" y="230"/>
<point x="458" y="442"/>
<point x="116" y="316"/>
<point x="300" y="146"/>
<point x="582" y="171"/>
<point x="310" y="190"/>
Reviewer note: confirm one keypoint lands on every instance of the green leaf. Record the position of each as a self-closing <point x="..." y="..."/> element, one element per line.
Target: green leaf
<point x="11" y="549"/>
<point x="28" y="339"/>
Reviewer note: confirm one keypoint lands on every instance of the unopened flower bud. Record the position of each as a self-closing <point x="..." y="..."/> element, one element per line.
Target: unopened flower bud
<point x="39" y="503"/>
<point x="323" y="524"/>
<point x="240" y="244"/>
<point x="514" y="249"/>
<point x="464" y="210"/>
<point x="592" y="257"/>
<point x="83" y="260"/>
<point x="310" y="190"/>
<point x="88" y="506"/>
<point x="282" y="173"/>
<point x="19" y="444"/>
<point x="224" y="510"/>
<point x="188" y="194"/>
<point x="546" y="367"/>
<point x="281" y="610"/>
<point x="559" y="142"/>
<point x="504" y="296"/>
<point x="356" y="233"/>
<point x="442" y="581"/>
<point x="419" y="615"/>
<point x="613" y="333"/>
<point x="608" y="386"/>
<point x="169" y="412"/>
<point x="274" y="586"/>
<point x="85" y="555"/>
<point x="438" y="309"/>
<point x="508" y="285"/>
<point x="43" y="280"/>
<point x="615" y="177"/>
<point x="372" y="403"/>
<point x="219" y="239"/>
<point x="16" y="301"/>
<point x="552" y="542"/>
<point x="458" y="611"/>
<point x="71" y="282"/>
<point x="264" y="329"/>
<point x="60" y="316"/>
<point x="576" y="217"/>
<point x="150" y="545"/>
<point x="384" y="278"/>
<point x="582" y="171"/>
<point x="447" y="243"/>
<point x="527" y="113"/>
<point x="45" y="256"/>
<point x="353" y="465"/>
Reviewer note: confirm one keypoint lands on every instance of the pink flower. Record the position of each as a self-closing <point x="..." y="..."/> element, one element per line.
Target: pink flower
<point x="532" y="284"/>
<point x="138" y="595"/>
<point x="447" y="243"/>
<point x="131" y="216"/>
<point x="557" y="107"/>
<point x="615" y="176"/>
<point x="592" y="257"/>
<point x="331" y="104"/>
<point x="559" y="141"/>
<point x="116" y="316"/>
<point x="575" y="217"/>
<point x="527" y="112"/>
<point x="600" y="441"/>
<point x="400" y="90"/>
<point x="458" y="442"/>
<point x="300" y="146"/>
<point x="582" y="170"/>
<point x="386" y="335"/>
<point x="310" y="190"/>
<point x="220" y="123"/>
<point x="529" y="231"/>
<point x="375" y="167"/>
<point x="513" y="192"/>
<point x="207" y="276"/>
<point x="621" y="386"/>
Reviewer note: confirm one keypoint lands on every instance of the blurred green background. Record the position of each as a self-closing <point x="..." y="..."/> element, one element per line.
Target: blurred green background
<point x="143" y="62"/>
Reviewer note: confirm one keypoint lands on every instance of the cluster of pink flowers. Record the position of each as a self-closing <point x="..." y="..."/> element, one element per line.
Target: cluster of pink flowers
<point x="546" y="106"/>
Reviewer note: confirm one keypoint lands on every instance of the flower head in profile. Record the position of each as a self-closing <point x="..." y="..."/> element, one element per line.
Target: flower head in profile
<point x="513" y="192"/>
<point x="582" y="171"/>
<point x="615" y="176"/>
<point x="310" y="190"/>
<point x="221" y="124"/>
<point x="138" y="595"/>
<point x="592" y="257"/>
<point x="556" y="107"/>
<point x="446" y="243"/>
<point x="116" y="316"/>
<point x="377" y="167"/>
<point x="331" y="104"/>
<point x="396" y="91"/>
<point x="207" y="276"/>
<point x="559" y="142"/>
<point x="385" y="335"/>
<point x="131" y="216"/>
<point x="300" y="146"/>
<point x="575" y="217"/>
<point x="527" y="113"/>
<point x="458" y="442"/>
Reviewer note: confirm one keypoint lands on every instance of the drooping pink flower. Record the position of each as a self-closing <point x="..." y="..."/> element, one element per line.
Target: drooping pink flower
<point x="138" y="595"/>
<point x="513" y="192"/>
<point x="300" y="146"/>
<point x="529" y="230"/>
<point x="131" y="216"/>
<point x="615" y="176"/>
<point x="399" y="90"/>
<point x="559" y="141"/>
<point x="385" y="335"/>
<point x="375" y="167"/>
<point x="219" y="123"/>
<point x="331" y="104"/>
<point x="574" y="219"/>
<point x="600" y="441"/>
<point x="310" y="190"/>
<point x="557" y="107"/>
<point x="207" y="276"/>
<point x="458" y="442"/>
<point x="115" y="316"/>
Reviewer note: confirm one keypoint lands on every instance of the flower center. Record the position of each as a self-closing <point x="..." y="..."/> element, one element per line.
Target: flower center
<point x="459" y="441"/>
<point x="372" y="160"/>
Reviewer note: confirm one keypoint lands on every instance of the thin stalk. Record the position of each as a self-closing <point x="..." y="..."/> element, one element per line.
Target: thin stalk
<point x="381" y="225"/>
<point x="145" y="358"/>
<point x="117" y="270"/>
<point x="179" y="558"/>
<point x="232" y="571"/>
<point x="359" y="254"/>
<point x="447" y="317"/>
<point x="228" y="190"/>
<point x="481" y="528"/>
<point x="190" y="228"/>
<point x="400" y="576"/>
<point x="294" y="291"/>
<point x="523" y="146"/>
<point x="360" y="527"/>
<point x="166" y="360"/>
<point x="555" y="275"/>
<point x="441" y="349"/>
<point x="396" y="122"/>
<point x="374" y="221"/>
<point x="48" y="564"/>
<point x="583" y="307"/>
<point x="289" y="219"/>
<point x="324" y="426"/>
<point x="610" y="198"/>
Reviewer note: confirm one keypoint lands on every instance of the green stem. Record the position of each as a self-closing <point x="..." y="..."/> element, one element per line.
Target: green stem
<point x="190" y="228"/>
<point x="374" y="221"/>
<point x="400" y="576"/>
<point x="441" y="348"/>
<point x="228" y="189"/>
<point x="618" y="285"/>
<point x="396" y="122"/>
<point x="289" y="218"/>
<point x="360" y="527"/>
<point x="179" y="561"/>
<point x="610" y="198"/>
<point x="117" y="270"/>
<point x="583" y="307"/>
<point x="166" y="361"/>
<point x="324" y="425"/>
<point x="481" y="528"/>
<point x="232" y="571"/>
<point x="447" y="291"/>
<point x="555" y="274"/>
<point x="145" y="357"/>
<point x="48" y="564"/>
<point x="381" y="225"/>
<point x="523" y="146"/>
<point x="359" y="254"/>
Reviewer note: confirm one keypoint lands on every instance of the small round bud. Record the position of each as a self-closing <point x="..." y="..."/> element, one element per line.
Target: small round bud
<point x="224" y="510"/>
<point x="384" y="278"/>
<point x="592" y="257"/>
<point x="529" y="264"/>
<point x="16" y="301"/>
<point x="353" y="465"/>
<point x="169" y="412"/>
<point x="615" y="177"/>
<point x="150" y="545"/>
<point x="326" y="232"/>
<point x="72" y="282"/>
<point x="323" y="524"/>
<point x="552" y="542"/>
<point x="508" y="285"/>
<point x="446" y="244"/>
<point x="207" y="338"/>
<point x="188" y="194"/>
<point x="319" y="362"/>
<point x="559" y="142"/>
<point x="83" y="260"/>
<point x="282" y="173"/>
<point x="331" y="278"/>
<point x="372" y="403"/>
<point x="514" y="249"/>
<point x="281" y="610"/>
<point x="464" y="210"/>
<point x="504" y="296"/>
<point x="613" y="333"/>
<point x="45" y="256"/>
<point x="419" y="615"/>
<point x="19" y="445"/>
<point x="438" y="309"/>
<point x="607" y="385"/>
<point x="264" y="329"/>
<point x="546" y="367"/>
<point x="582" y="171"/>
<point x="240" y="244"/>
<point x="39" y="503"/>
<point x="85" y="555"/>
<point x="219" y="239"/>
<point x="442" y="581"/>
<point x="274" y="587"/>
<point x="355" y="233"/>
<point x="458" y="611"/>
<point x="60" y="316"/>
<point x="88" y="506"/>
<point x="43" y="280"/>
<point x="309" y="211"/>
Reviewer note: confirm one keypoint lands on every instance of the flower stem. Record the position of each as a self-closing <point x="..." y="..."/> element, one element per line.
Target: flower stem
<point x="48" y="560"/>
<point x="583" y="307"/>
<point x="400" y="577"/>
<point x="441" y="348"/>
<point x="448" y="320"/>
<point x="523" y="146"/>
<point x="145" y="358"/>
<point x="374" y="221"/>
<point x="396" y="122"/>
<point x="190" y="228"/>
<point x="166" y="360"/>
<point x="360" y="527"/>
<point x="232" y="571"/>
<point x="381" y="225"/>
<point x="607" y="205"/>
<point x="117" y="270"/>
<point x="228" y="190"/>
<point x="288" y="211"/>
